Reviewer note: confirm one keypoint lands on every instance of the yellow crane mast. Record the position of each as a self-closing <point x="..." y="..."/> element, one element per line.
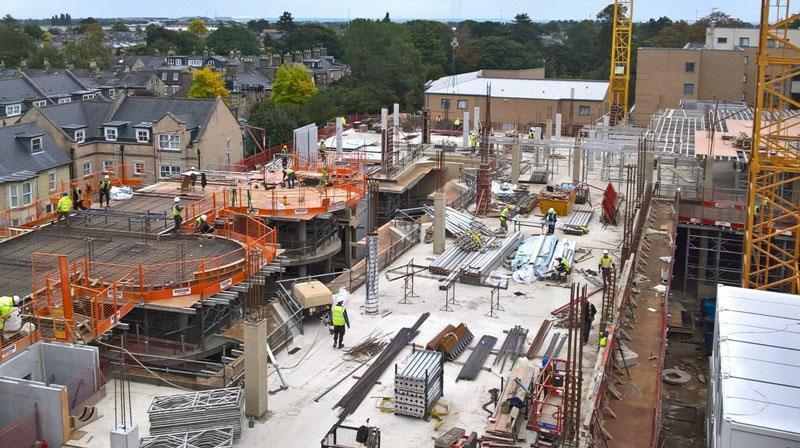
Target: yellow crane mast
<point x="772" y="230"/>
<point x="620" y="61"/>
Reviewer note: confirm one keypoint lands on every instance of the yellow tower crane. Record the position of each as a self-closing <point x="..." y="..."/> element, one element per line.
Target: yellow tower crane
<point x="620" y="61"/>
<point x="772" y="230"/>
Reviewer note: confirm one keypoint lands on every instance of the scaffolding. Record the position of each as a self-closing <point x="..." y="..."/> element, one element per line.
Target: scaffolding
<point x="712" y="255"/>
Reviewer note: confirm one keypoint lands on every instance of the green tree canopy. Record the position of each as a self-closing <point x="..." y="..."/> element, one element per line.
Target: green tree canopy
<point x="293" y="84"/>
<point x="286" y="22"/>
<point x="278" y="119"/>
<point x="432" y="41"/>
<point x="89" y="48"/>
<point x="15" y="45"/>
<point x="197" y="26"/>
<point x="308" y="36"/>
<point x="164" y="40"/>
<point x="225" y="39"/>
<point x="119" y="27"/>
<point x="257" y="26"/>
<point x="33" y="30"/>
<point x="207" y="83"/>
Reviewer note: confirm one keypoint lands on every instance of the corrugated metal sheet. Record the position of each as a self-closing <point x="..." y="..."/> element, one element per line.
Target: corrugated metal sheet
<point x="758" y="354"/>
<point x="538" y="89"/>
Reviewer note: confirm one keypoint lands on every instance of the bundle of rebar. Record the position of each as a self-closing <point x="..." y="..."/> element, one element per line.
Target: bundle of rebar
<point x="457" y="222"/>
<point x="513" y="346"/>
<point x="353" y="398"/>
<point x="198" y="411"/>
<point x="418" y="383"/>
<point x="452" y="341"/>
<point x="212" y="438"/>
<point x="366" y="349"/>
<point x="539" y="339"/>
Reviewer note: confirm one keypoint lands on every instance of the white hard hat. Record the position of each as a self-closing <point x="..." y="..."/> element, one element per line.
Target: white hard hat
<point x="203" y="217"/>
<point x="193" y="168"/>
<point x="106" y="176"/>
<point x="552" y="210"/>
<point x="17" y="300"/>
<point x="177" y="199"/>
<point x="605" y="252"/>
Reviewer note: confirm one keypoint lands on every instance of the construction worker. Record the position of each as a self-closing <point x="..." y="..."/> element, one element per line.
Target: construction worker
<point x="563" y="267"/>
<point x="7" y="303"/>
<point x="289" y="177"/>
<point x="531" y="133"/>
<point x="176" y="215"/>
<point x="63" y="208"/>
<point x="457" y="123"/>
<point x="77" y="198"/>
<point x="322" y="152"/>
<point x="285" y="201"/>
<point x="339" y="319"/>
<point x="285" y="156"/>
<point x="550" y="221"/>
<point x="605" y="266"/>
<point x="193" y="176"/>
<point x="105" y="191"/>
<point x="603" y="339"/>
<point x="589" y="311"/>
<point x="473" y="141"/>
<point x="504" y="216"/>
<point x="201" y="225"/>
<point x="324" y="180"/>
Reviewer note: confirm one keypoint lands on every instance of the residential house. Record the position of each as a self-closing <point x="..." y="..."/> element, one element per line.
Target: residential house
<point x="152" y="137"/>
<point x="143" y="83"/>
<point x="20" y="93"/>
<point x="32" y="167"/>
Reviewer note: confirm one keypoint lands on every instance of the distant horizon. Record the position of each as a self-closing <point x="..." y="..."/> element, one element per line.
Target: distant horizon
<point x="310" y="10"/>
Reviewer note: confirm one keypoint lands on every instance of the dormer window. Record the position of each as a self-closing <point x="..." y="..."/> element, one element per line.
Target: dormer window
<point x="36" y="145"/>
<point x="112" y="93"/>
<point x="88" y="96"/>
<point x="40" y="103"/>
<point x="111" y="134"/>
<point x="80" y="135"/>
<point x="13" y="110"/>
<point x="142" y="135"/>
<point x="64" y="100"/>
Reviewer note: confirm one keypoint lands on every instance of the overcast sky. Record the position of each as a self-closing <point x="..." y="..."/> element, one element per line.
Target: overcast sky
<point x="747" y="10"/>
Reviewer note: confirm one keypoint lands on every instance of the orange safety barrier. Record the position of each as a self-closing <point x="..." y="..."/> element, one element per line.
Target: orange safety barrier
<point x="100" y="293"/>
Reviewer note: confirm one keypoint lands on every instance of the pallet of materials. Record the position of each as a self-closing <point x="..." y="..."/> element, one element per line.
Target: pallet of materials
<point x="418" y="383"/>
<point x="452" y="341"/>
<point x="477" y="358"/>
<point x="197" y="411"/>
<point x="212" y="438"/>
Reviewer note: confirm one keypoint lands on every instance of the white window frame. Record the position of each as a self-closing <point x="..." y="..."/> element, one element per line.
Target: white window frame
<point x="88" y="96"/>
<point x="744" y="96"/>
<point x="175" y="89"/>
<point x="12" y="110"/>
<point x="175" y="76"/>
<point x="195" y="62"/>
<point x="51" y="180"/>
<point x="107" y="133"/>
<point x="138" y="168"/>
<point x="13" y="196"/>
<point x="87" y="167"/>
<point x="744" y="41"/>
<point x="64" y="100"/>
<point x="746" y="60"/>
<point x="37" y="141"/>
<point x="460" y="102"/>
<point x="108" y="165"/>
<point x="169" y="142"/>
<point x="27" y="198"/>
<point x="170" y="171"/>
<point x="582" y="108"/>
<point x="163" y="76"/>
<point x="80" y="135"/>
<point x="40" y="103"/>
<point x="744" y="77"/>
<point x="142" y="135"/>
<point x="112" y="93"/>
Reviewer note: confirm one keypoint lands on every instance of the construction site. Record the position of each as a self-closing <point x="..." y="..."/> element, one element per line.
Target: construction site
<point x="383" y="282"/>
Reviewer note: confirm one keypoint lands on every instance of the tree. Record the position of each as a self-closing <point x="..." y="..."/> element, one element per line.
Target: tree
<point x="522" y="19"/>
<point x="293" y="84"/>
<point x="258" y="26"/>
<point x="286" y="22"/>
<point x="14" y="44"/>
<point x="304" y="37"/>
<point x="207" y="83"/>
<point x="230" y="38"/>
<point x="119" y="27"/>
<point x="386" y="18"/>
<point x="54" y="57"/>
<point x="279" y="119"/>
<point x="89" y="48"/>
<point x="197" y="26"/>
<point x="33" y="30"/>
<point x="432" y="41"/>
<point x="164" y="40"/>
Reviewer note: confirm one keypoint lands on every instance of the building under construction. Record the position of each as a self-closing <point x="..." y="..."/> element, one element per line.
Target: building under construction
<point x="530" y="287"/>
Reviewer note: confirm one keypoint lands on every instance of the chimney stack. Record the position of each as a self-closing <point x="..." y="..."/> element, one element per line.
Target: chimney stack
<point x="306" y="55"/>
<point x="276" y="59"/>
<point x="323" y="51"/>
<point x="315" y="53"/>
<point x="287" y="58"/>
<point x="249" y="64"/>
<point x="298" y="57"/>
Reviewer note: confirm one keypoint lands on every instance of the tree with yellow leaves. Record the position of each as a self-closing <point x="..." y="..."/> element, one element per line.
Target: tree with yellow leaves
<point x="197" y="26"/>
<point x="207" y="83"/>
<point x="293" y="84"/>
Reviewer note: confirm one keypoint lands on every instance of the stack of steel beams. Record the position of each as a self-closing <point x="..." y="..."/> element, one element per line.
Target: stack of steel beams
<point x="212" y="438"/>
<point x="579" y="220"/>
<point x="513" y="346"/>
<point x="418" y="383"/>
<point x="474" y="267"/>
<point x="457" y="222"/>
<point x="198" y="411"/>
<point x="476" y="359"/>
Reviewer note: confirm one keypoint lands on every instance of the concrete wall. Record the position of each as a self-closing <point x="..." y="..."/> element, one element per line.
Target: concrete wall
<point x="531" y="73"/>
<point x="25" y="364"/>
<point x="521" y="113"/>
<point x="21" y="398"/>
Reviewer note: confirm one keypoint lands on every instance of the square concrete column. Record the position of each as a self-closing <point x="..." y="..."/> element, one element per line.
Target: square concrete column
<point x="708" y="179"/>
<point x="465" y="129"/>
<point x="516" y="159"/>
<point x="438" y="223"/>
<point x="339" y="130"/>
<point x="558" y="127"/>
<point x="476" y="119"/>
<point x="384" y="118"/>
<point x="256" y="390"/>
<point x="577" y="158"/>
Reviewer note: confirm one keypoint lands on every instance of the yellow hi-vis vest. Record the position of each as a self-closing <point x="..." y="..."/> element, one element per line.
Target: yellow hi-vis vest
<point x="176" y="211"/>
<point x="64" y="204"/>
<point x="337" y="316"/>
<point x="504" y="213"/>
<point x="6" y="304"/>
<point x="606" y="262"/>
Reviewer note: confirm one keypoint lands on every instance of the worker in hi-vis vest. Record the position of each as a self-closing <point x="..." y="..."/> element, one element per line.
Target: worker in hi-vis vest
<point x="63" y="208"/>
<point x="176" y="215"/>
<point x="105" y="191"/>
<point x="339" y="319"/>
<point x="504" y="216"/>
<point x="7" y="303"/>
<point x="605" y="266"/>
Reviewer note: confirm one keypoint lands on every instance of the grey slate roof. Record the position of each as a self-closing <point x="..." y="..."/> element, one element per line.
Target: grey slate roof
<point x="82" y="113"/>
<point x="15" y="90"/>
<point x="16" y="161"/>
<point x="54" y="84"/>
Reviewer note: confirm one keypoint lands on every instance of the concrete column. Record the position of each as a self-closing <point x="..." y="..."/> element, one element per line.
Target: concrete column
<point x="476" y="119"/>
<point x="708" y="179"/>
<point x="396" y="115"/>
<point x="339" y="130"/>
<point x="649" y="161"/>
<point x="255" y="368"/>
<point x="301" y="241"/>
<point x="438" y="223"/>
<point x="548" y="130"/>
<point x="577" y="158"/>
<point x="558" y="127"/>
<point x="516" y="157"/>
<point x="384" y="118"/>
<point x="465" y="128"/>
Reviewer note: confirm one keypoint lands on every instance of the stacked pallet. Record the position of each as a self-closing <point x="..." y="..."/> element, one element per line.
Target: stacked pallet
<point x="418" y="383"/>
<point x="212" y="438"/>
<point x="198" y="411"/>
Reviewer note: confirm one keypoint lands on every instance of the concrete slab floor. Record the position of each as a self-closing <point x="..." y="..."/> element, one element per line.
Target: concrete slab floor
<point x="296" y="420"/>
